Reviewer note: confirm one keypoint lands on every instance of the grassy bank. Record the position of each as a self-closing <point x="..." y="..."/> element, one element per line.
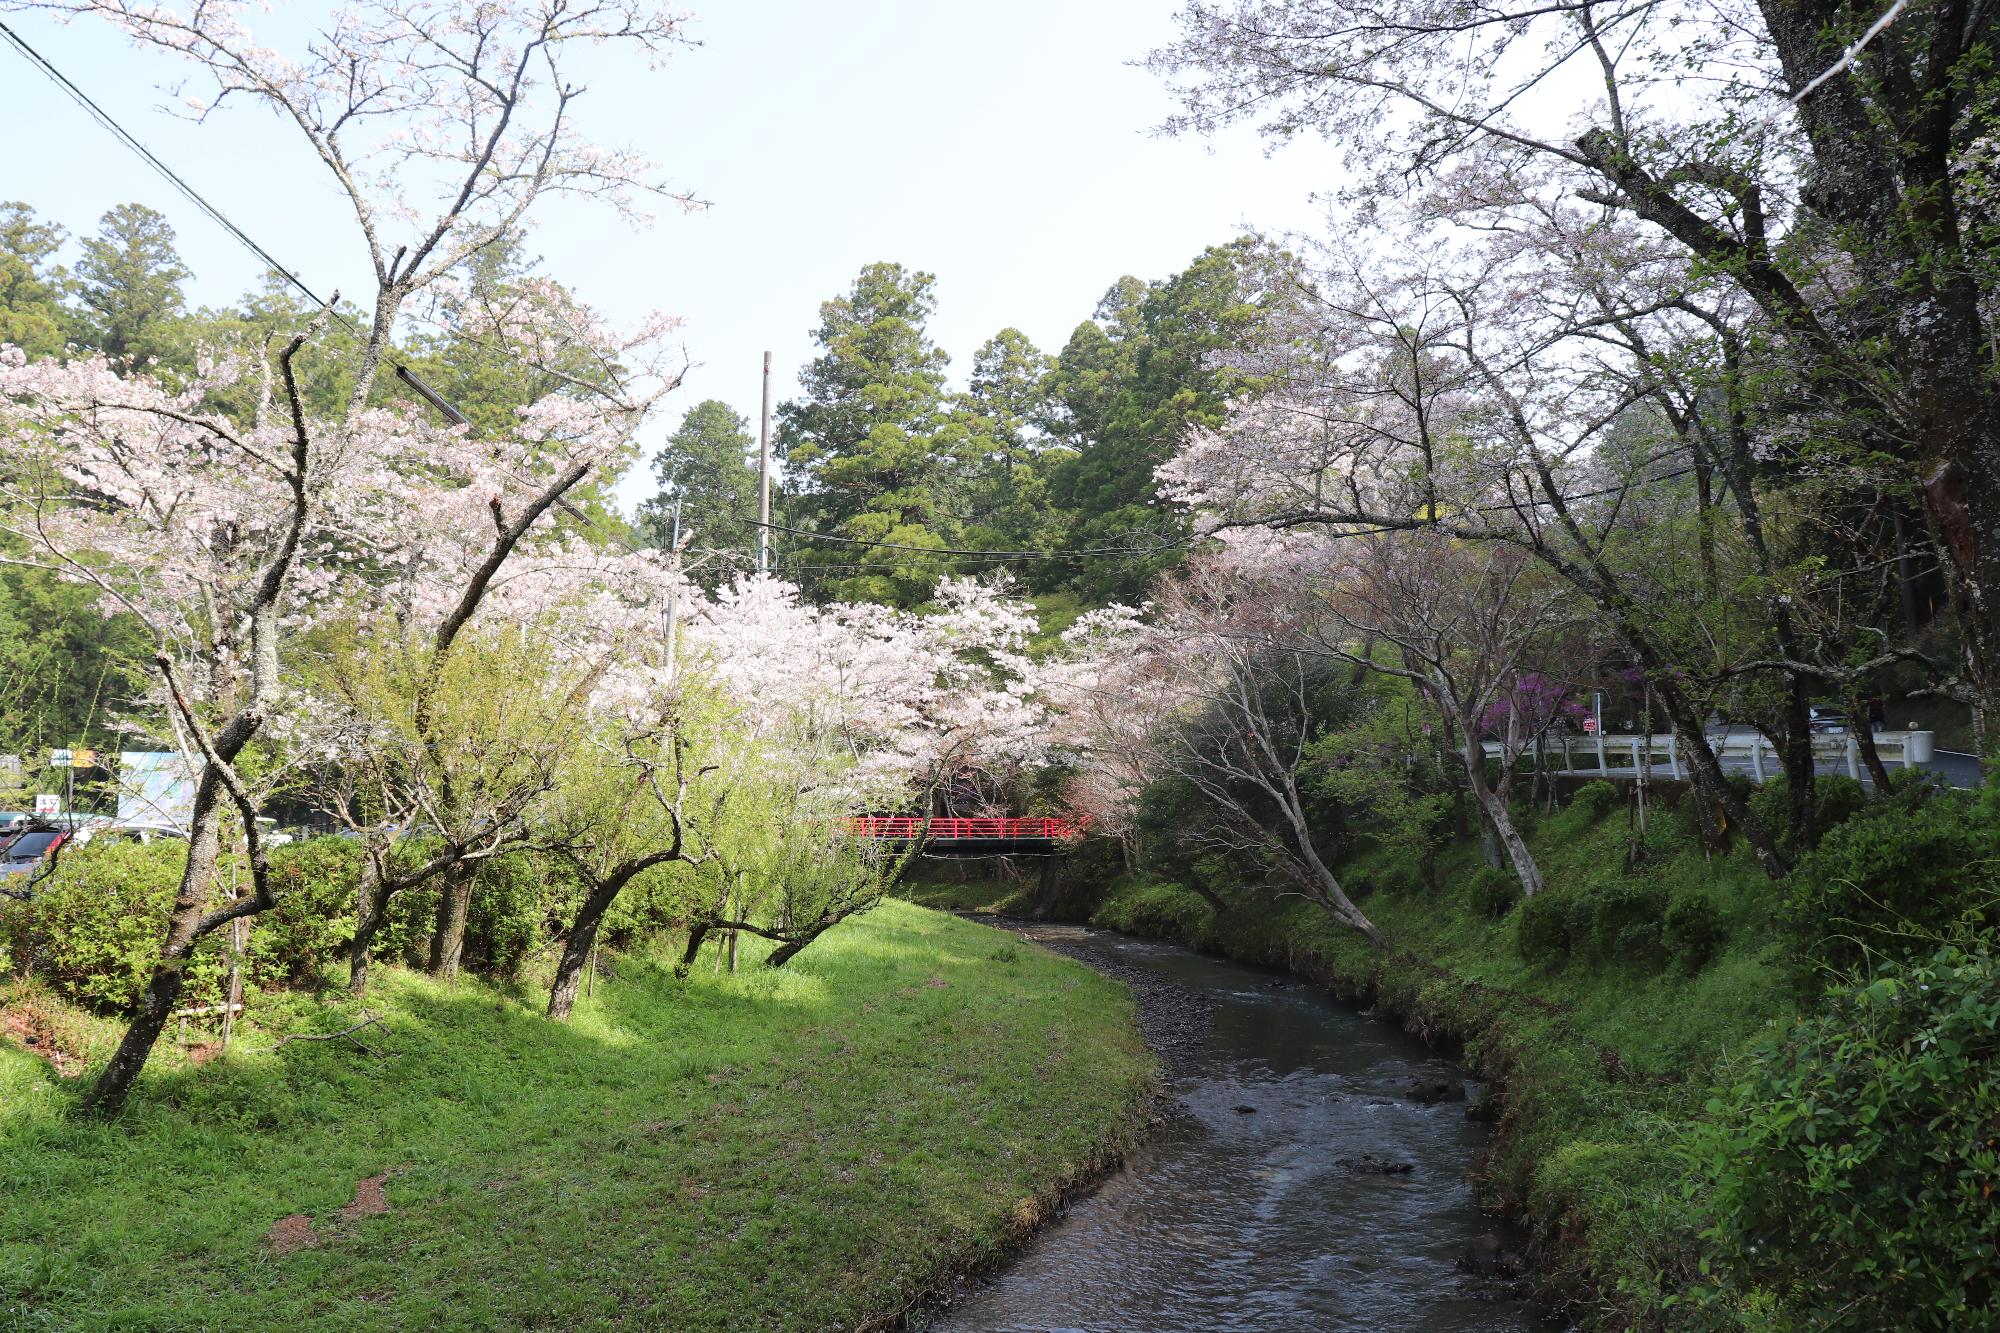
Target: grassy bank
<point x="1603" y="1056"/>
<point x="809" y="1148"/>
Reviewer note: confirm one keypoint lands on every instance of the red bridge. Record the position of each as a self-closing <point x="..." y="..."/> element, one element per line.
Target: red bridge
<point x="996" y="833"/>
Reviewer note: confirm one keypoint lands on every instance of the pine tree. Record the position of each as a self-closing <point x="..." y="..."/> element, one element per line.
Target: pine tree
<point x="129" y="281"/>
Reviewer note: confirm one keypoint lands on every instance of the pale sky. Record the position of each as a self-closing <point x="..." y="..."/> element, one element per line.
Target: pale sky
<point x="1005" y="149"/>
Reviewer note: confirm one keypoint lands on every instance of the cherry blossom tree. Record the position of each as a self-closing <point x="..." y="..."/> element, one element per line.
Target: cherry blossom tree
<point x="229" y="538"/>
<point x="1213" y="688"/>
<point x="1461" y="621"/>
<point x="1823" y="167"/>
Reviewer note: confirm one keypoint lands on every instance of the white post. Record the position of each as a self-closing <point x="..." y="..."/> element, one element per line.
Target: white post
<point x="1603" y="761"/>
<point x="1674" y="755"/>
<point x="1853" y="757"/>
<point x="1757" y="756"/>
<point x="1567" y="764"/>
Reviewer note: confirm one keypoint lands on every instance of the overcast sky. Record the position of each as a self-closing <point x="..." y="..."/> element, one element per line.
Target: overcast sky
<point x="1006" y="149"/>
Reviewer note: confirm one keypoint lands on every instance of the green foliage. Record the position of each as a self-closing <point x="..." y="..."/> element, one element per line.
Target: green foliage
<point x="871" y="441"/>
<point x="314" y="883"/>
<point x="1596" y="799"/>
<point x="1542" y="929"/>
<point x="128" y="282"/>
<point x="1836" y="800"/>
<point x="93" y="928"/>
<point x="1492" y="893"/>
<point x="710" y="465"/>
<point x="1895" y="882"/>
<point x="1694" y="931"/>
<point x="32" y="315"/>
<point x="1853" y="1163"/>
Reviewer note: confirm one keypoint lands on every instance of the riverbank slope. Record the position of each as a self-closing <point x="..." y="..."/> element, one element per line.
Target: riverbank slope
<point x="809" y="1148"/>
<point x="1602" y="1042"/>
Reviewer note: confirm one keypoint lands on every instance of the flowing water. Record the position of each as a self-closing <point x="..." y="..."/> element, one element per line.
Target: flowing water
<point x="1246" y="1219"/>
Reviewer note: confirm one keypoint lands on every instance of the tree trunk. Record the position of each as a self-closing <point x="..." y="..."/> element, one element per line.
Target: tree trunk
<point x="368" y="914"/>
<point x="697" y="932"/>
<point x="1864" y="740"/>
<point x="448" y="942"/>
<point x="1801" y="769"/>
<point x="1499" y="823"/>
<point x="576" y="949"/>
<point x="789" y="950"/>
<point x="1712" y="781"/>
<point x="163" y="988"/>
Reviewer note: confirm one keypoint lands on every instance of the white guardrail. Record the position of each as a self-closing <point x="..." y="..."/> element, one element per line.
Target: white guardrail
<point x="1903" y="749"/>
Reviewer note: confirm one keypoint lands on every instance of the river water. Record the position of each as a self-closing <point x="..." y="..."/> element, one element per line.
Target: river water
<point x="1246" y="1219"/>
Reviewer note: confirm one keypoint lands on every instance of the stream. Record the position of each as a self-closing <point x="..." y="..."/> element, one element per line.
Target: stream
<point x="1277" y="1216"/>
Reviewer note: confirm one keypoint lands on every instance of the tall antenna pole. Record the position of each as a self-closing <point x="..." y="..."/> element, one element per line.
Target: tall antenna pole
<point x="764" y="477"/>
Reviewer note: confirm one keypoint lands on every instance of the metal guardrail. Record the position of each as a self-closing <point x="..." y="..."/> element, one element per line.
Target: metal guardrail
<point x="1904" y="749"/>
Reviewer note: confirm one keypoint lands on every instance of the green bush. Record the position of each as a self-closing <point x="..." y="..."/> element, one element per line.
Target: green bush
<point x="1853" y="1163"/>
<point x="93" y="928"/>
<point x="1493" y="893"/>
<point x="1836" y="800"/>
<point x="1542" y="929"/>
<point x="1596" y="799"/>
<point x="313" y="882"/>
<point x="1618" y="916"/>
<point x="1694" y="932"/>
<point x="1895" y="882"/>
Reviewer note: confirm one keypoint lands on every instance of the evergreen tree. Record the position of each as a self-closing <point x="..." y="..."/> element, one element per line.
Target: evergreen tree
<point x="129" y="281"/>
<point x="708" y="465"/>
<point x="871" y="445"/>
<point x="32" y="314"/>
<point x="1131" y="383"/>
<point x="1008" y="452"/>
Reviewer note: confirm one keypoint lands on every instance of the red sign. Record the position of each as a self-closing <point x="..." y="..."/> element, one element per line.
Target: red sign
<point x="1590" y="726"/>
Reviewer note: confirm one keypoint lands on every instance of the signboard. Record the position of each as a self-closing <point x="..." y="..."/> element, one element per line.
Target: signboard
<point x="156" y="787"/>
<point x="49" y="804"/>
<point x="1590" y="726"/>
<point x="77" y="758"/>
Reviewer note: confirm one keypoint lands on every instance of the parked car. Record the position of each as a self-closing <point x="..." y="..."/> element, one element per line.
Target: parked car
<point x="1826" y="721"/>
<point x="27" y="849"/>
<point x="13" y="819"/>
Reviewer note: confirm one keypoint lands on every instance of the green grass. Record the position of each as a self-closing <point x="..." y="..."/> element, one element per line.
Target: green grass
<point x="1604" y="1062"/>
<point x="808" y="1148"/>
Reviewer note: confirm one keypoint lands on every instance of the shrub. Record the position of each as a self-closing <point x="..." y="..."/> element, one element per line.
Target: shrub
<point x="313" y="882"/>
<point x="1893" y="882"/>
<point x="94" y="926"/>
<point x="1836" y="800"/>
<point x="1694" y="933"/>
<point x="1853" y="1163"/>
<point x="1542" y="929"/>
<point x="1638" y="943"/>
<point x="1603" y="916"/>
<point x="1595" y="798"/>
<point x="1493" y="893"/>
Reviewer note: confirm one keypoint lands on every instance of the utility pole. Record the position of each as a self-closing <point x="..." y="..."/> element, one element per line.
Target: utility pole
<point x="673" y="601"/>
<point x="764" y="477"/>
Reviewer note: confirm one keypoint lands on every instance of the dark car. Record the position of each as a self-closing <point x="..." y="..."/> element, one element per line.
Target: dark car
<point x="28" y="849"/>
<point x="1827" y="721"/>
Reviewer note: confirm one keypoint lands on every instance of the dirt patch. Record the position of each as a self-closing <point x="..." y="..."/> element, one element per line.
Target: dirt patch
<point x="290" y="1233"/>
<point x="201" y="1052"/>
<point x="31" y="1027"/>
<point x="370" y="1199"/>
<point x="297" y="1231"/>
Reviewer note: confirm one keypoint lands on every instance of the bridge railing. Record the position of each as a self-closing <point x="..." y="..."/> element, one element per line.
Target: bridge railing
<point x="1900" y="749"/>
<point x="977" y="828"/>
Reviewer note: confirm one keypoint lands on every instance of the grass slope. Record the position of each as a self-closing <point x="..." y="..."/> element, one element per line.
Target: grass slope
<point x="802" y="1149"/>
